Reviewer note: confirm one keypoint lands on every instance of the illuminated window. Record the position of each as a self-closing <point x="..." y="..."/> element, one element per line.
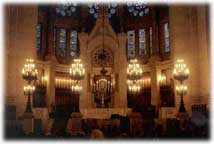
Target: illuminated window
<point x="142" y="42"/>
<point x="38" y="38"/>
<point x="62" y="43"/>
<point x="73" y="43"/>
<point x="54" y="38"/>
<point x="166" y="38"/>
<point x="138" y="9"/>
<point x="93" y="9"/>
<point x="131" y="44"/>
<point x="150" y="39"/>
<point x="112" y="9"/>
<point x="66" y="10"/>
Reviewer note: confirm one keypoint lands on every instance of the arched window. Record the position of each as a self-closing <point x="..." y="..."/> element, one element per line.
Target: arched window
<point x="38" y="38"/>
<point x="166" y="38"/>
<point x="131" y="44"/>
<point x="66" y="10"/>
<point x="142" y="42"/>
<point x="150" y="40"/>
<point x="138" y="9"/>
<point x="62" y="43"/>
<point x="73" y="43"/>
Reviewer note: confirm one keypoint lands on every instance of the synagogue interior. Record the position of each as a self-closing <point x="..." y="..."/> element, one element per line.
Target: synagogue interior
<point x="106" y="71"/>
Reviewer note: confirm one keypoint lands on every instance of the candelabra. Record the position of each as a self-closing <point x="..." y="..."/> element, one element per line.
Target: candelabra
<point x="29" y="73"/>
<point x="162" y="81"/>
<point x="76" y="89"/>
<point x="134" y="88"/>
<point x="77" y="73"/>
<point x="102" y="88"/>
<point x="181" y="73"/>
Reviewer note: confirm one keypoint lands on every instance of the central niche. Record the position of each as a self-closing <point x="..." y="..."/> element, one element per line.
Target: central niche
<point x="102" y="79"/>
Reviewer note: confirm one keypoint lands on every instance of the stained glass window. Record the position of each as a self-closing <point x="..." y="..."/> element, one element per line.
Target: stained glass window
<point x="142" y="42"/>
<point x="38" y="37"/>
<point x="93" y="9"/>
<point x="166" y="38"/>
<point x="66" y="10"/>
<point x="111" y="9"/>
<point x="150" y="39"/>
<point x="62" y="42"/>
<point x="54" y="38"/>
<point x="131" y="44"/>
<point x="138" y="9"/>
<point x="73" y="43"/>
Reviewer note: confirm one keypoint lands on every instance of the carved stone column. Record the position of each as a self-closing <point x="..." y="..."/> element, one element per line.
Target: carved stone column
<point x="120" y="67"/>
<point x="155" y="89"/>
<point x="84" y="100"/>
<point x="50" y="73"/>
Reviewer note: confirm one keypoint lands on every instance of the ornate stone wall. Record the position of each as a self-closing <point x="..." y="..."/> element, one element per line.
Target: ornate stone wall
<point x="189" y="40"/>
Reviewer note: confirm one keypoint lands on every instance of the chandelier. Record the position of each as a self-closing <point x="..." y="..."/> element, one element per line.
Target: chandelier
<point x="29" y="71"/>
<point x="134" y="71"/>
<point x="77" y="71"/>
<point x="181" y="72"/>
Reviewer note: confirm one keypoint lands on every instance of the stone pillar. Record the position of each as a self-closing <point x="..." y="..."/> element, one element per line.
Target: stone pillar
<point x="184" y="44"/>
<point x="204" y="52"/>
<point x="85" y="99"/>
<point x="21" y="21"/>
<point x="50" y="73"/>
<point x="155" y="89"/>
<point x="120" y="68"/>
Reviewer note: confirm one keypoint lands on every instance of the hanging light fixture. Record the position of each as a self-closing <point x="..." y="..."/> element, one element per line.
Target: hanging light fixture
<point x="134" y="71"/>
<point x="181" y="72"/>
<point x="77" y="71"/>
<point x="29" y="71"/>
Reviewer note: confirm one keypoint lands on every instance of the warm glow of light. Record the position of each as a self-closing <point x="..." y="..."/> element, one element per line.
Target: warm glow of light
<point x="134" y="70"/>
<point x="29" y="89"/>
<point x="134" y="88"/>
<point x="180" y="72"/>
<point x="162" y="80"/>
<point x="29" y="71"/>
<point x="61" y="82"/>
<point x="77" y="71"/>
<point x="76" y="89"/>
<point x="181" y="89"/>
